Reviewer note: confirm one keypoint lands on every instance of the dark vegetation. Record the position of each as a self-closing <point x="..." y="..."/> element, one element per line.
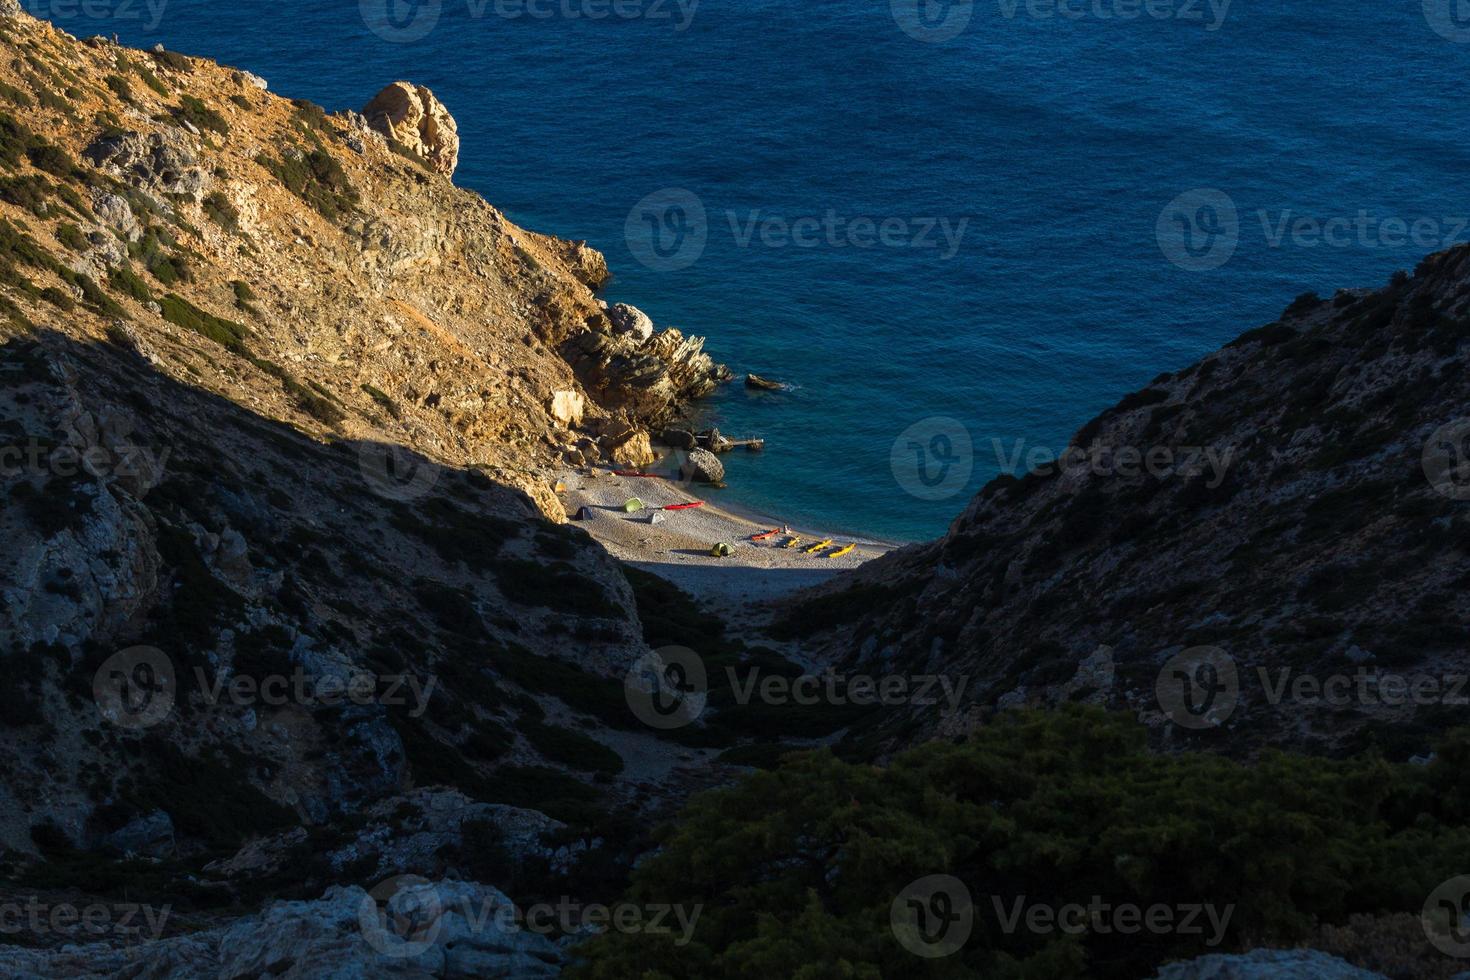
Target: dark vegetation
<point x="1040" y="806"/>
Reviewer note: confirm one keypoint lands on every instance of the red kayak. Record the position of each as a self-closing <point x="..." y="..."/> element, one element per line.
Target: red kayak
<point x="697" y="503"/>
<point x="765" y="537"/>
<point x="648" y="476"/>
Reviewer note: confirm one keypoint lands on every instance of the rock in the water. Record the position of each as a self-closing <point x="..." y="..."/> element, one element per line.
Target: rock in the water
<point x="568" y="407"/>
<point x="703" y="466"/>
<point x="631" y="320"/>
<point x="1267" y="964"/>
<point x="412" y="117"/>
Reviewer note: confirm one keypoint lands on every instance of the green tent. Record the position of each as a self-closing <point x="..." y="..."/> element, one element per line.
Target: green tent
<point x="721" y="550"/>
<point x="633" y="506"/>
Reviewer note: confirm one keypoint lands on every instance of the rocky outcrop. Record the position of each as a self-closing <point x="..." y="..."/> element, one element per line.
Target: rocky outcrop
<point x="586" y="263"/>
<point x="630" y="321"/>
<point x="703" y="466"/>
<point x="650" y="379"/>
<point x="411" y="116"/>
<point x="163" y="162"/>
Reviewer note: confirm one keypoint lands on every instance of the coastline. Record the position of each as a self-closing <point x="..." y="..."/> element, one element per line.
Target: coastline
<point x="678" y="548"/>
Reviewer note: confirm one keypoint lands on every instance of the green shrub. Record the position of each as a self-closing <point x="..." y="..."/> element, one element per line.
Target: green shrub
<point x="125" y="281"/>
<point x="193" y="110"/>
<point x="384" y="401"/>
<point x="1038" y="809"/>
<point x="59" y="298"/>
<point x="572" y="749"/>
<point x="71" y="236"/>
<point x="120" y="87"/>
<point x="50" y="158"/>
<point x="181" y="312"/>
<point x="174" y="60"/>
<point x="16" y="96"/>
<point x="317" y="178"/>
<point x="30" y="191"/>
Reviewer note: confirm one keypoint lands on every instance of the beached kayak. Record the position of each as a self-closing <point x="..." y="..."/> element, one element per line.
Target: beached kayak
<point x="793" y="542"/>
<point x="766" y="536"/>
<point x="840" y="552"/>
<point x="689" y="506"/>
<point x="819" y="546"/>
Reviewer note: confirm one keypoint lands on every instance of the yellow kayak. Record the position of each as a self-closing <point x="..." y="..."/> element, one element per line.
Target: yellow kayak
<point x="819" y="546"/>
<point x="842" y="551"/>
<point x="793" y="542"/>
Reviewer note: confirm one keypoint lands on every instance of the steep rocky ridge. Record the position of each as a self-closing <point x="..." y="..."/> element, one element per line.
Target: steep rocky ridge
<point x="279" y="401"/>
<point x="1296" y="526"/>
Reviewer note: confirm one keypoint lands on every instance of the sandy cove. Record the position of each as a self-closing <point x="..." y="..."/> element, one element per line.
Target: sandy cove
<point x="678" y="549"/>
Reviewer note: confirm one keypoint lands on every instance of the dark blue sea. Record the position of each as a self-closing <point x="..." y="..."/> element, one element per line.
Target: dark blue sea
<point x="942" y="223"/>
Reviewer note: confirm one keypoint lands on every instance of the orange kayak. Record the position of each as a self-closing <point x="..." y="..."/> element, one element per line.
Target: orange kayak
<point x="765" y="537"/>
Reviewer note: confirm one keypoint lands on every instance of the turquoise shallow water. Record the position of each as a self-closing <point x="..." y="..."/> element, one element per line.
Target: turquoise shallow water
<point x="822" y="140"/>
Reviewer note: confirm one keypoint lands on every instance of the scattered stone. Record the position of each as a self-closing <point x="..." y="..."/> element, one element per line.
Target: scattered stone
<point x="568" y="407"/>
<point x="763" y="384"/>
<point x="114" y="211"/>
<point x="412" y="117"/>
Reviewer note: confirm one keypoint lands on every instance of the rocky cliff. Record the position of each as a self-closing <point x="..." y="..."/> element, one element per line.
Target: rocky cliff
<point x="288" y="599"/>
<point x="1282" y="525"/>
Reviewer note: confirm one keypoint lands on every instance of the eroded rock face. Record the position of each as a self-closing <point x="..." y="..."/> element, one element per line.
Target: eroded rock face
<point x="411" y="116"/>
<point x="161" y="162"/>
<point x="650" y="379"/>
